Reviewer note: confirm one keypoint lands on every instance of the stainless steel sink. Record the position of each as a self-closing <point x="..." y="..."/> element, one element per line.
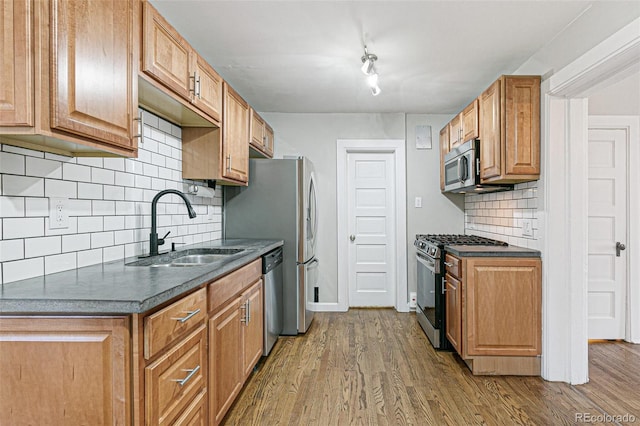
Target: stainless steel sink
<point x="185" y="258"/>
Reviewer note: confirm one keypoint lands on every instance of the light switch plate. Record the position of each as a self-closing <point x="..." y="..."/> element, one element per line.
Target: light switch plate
<point x="418" y="202"/>
<point x="58" y="213"/>
<point x="527" y="227"/>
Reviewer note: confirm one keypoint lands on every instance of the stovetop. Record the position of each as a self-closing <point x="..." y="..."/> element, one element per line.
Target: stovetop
<point x="449" y="239"/>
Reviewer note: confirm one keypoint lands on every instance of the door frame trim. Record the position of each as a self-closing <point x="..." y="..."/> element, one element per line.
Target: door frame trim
<point x="397" y="148"/>
<point x="562" y="204"/>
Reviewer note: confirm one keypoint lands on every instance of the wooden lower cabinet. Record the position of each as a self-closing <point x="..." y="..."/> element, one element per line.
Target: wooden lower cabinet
<point x="235" y="339"/>
<point x="64" y="371"/>
<point x="497" y="302"/>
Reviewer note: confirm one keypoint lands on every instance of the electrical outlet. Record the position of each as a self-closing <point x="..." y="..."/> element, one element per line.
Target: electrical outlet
<point x="527" y="228"/>
<point x="58" y="214"/>
<point x="412" y="300"/>
<point x="418" y="202"/>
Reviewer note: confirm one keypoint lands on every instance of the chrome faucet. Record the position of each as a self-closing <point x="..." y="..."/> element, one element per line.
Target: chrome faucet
<point x="154" y="241"/>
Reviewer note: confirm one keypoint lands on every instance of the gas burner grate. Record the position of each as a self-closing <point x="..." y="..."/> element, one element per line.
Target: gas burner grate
<point x="449" y="239"/>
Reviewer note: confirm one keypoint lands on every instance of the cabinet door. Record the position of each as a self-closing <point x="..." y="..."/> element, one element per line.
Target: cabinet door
<point x="268" y="140"/>
<point x="522" y="126"/>
<point x="16" y="74"/>
<point x="93" y="69"/>
<point x="257" y="131"/>
<point x="490" y="131"/>
<point x="64" y="371"/>
<point x="470" y="122"/>
<point x="166" y="55"/>
<point x="225" y="358"/>
<point x="208" y="90"/>
<point x="454" y="312"/>
<point x="235" y="136"/>
<point x="444" y="149"/>
<point x="455" y="132"/>
<point x="253" y="327"/>
<point x="503" y="306"/>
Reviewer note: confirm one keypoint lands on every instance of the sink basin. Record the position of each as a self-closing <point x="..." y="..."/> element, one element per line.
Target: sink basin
<point x="190" y="257"/>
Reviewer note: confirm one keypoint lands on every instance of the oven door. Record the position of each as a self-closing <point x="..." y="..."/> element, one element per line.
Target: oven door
<point x="426" y="298"/>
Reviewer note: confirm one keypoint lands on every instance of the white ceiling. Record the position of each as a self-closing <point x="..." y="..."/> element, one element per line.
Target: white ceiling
<point x="434" y="56"/>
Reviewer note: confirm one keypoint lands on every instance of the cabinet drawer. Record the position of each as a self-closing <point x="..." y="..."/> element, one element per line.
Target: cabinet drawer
<point x="453" y="266"/>
<point x="174" y="380"/>
<point x="196" y="412"/>
<point x="169" y="324"/>
<point x="228" y="286"/>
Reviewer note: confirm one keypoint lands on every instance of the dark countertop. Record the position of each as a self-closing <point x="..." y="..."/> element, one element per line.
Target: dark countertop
<point x="491" y="251"/>
<point x="114" y="288"/>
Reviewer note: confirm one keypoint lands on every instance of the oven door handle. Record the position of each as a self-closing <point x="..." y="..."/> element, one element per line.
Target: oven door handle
<point x="427" y="264"/>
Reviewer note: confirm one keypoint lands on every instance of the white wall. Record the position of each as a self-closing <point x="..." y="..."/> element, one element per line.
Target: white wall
<point x="109" y="205"/>
<point x="620" y="98"/>
<point x="315" y="135"/>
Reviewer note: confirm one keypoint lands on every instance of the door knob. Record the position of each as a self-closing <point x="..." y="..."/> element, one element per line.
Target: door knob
<point x="619" y="248"/>
<point x="352" y="238"/>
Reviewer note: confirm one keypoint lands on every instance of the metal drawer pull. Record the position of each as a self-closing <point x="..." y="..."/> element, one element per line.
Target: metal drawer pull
<point x="248" y="311"/>
<point x="193" y="371"/>
<point x="448" y="264"/>
<point x="190" y="314"/>
<point x="244" y="319"/>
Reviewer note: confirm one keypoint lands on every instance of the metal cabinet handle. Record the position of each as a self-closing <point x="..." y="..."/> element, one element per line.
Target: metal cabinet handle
<point x="248" y="311"/>
<point x="193" y="77"/>
<point x="619" y="248"/>
<point x="192" y="372"/>
<point x="229" y="162"/>
<point x="448" y="264"/>
<point x="190" y="314"/>
<point x="245" y="318"/>
<point x="140" y="119"/>
<point x="444" y="289"/>
<point x="352" y="238"/>
<point x="198" y="91"/>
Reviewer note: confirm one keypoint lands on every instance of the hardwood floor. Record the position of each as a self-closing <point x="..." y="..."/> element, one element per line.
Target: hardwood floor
<point x="376" y="367"/>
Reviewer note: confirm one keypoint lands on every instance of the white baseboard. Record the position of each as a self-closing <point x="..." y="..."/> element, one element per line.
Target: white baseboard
<point x="326" y="307"/>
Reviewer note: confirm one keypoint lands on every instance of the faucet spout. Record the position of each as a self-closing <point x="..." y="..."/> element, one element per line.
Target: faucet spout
<point x="154" y="241"/>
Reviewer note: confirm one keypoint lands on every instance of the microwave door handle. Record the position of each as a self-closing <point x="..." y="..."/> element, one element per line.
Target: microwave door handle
<point x="465" y="169"/>
<point x="460" y="170"/>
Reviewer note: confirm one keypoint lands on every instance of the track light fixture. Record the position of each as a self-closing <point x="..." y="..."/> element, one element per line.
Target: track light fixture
<point x="369" y="69"/>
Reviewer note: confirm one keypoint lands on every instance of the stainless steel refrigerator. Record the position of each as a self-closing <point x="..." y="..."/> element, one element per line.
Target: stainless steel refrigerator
<point x="280" y="202"/>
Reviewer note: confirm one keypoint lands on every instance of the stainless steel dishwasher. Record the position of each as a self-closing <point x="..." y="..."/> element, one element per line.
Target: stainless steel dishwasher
<point x="273" y="322"/>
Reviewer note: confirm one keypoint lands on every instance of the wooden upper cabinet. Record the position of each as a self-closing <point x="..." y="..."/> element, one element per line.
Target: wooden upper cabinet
<point x="94" y="69"/>
<point x="510" y="130"/>
<point x="444" y="149"/>
<point x="71" y="83"/>
<point x="470" y="121"/>
<point x="166" y="54"/>
<point x="490" y="132"/>
<point x="16" y="74"/>
<point x="208" y="89"/>
<point x="235" y="136"/>
<point x="65" y="371"/>
<point x="455" y="132"/>
<point x="261" y="136"/>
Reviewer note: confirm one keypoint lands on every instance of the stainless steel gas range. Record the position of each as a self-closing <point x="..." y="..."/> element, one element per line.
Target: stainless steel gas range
<point x="430" y="255"/>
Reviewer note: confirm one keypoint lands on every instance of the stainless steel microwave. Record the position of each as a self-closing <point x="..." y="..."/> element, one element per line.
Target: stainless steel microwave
<point x="462" y="170"/>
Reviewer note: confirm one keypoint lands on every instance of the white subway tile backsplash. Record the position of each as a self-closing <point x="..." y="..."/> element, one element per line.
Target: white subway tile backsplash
<point x="36" y="207"/>
<point x="102" y="176"/>
<point x="76" y="242"/>
<point x="76" y="172"/>
<point x="13" y="164"/>
<point x="89" y="257"/>
<point x="22" y="186"/>
<point x="22" y="228"/>
<point x="36" y="247"/>
<point x="43" y="168"/>
<point x="12" y="206"/>
<point x="11" y="250"/>
<point x="59" y="263"/>
<point x="101" y="239"/>
<point x="90" y="191"/>
<point x="60" y="188"/>
<point x="22" y="269"/>
<point x="109" y="205"/>
<point x="90" y="224"/>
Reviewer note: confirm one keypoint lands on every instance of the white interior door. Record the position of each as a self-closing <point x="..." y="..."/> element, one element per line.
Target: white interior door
<point x="371" y="226"/>
<point x="607" y="219"/>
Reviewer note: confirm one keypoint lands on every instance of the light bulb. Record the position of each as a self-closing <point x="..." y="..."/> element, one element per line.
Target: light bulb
<point x="375" y="90"/>
<point x="372" y="80"/>
<point x="367" y="66"/>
